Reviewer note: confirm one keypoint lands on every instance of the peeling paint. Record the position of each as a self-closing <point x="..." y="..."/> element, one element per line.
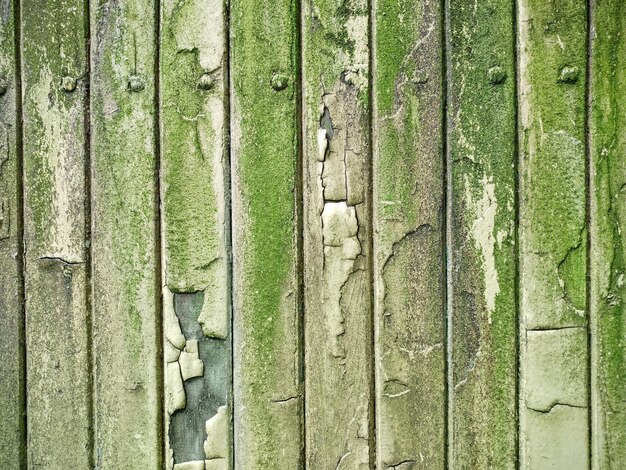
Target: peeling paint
<point x="335" y="58"/>
<point x="339" y="222"/>
<point x="192" y="465"/>
<point x="216" y="444"/>
<point x="188" y="392"/>
<point x="484" y="212"/>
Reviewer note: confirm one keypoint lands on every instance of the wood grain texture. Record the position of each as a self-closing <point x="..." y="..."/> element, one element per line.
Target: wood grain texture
<point x="54" y="76"/>
<point x="608" y="248"/>
<point x="127" y="381"/>
<point x="337" y="279"/>
<point x="12" y="406"/>
<point x="553" y="245"/>
<point x="194" y="182"/>
<point x="482" y="153"/>
<point x="264" y="127"/>
<point x="409" y="267"/>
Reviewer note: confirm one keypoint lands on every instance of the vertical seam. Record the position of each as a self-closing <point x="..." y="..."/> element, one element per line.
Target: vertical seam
<point x="370" y="228"/>
<point x="447" y="241"/>
<point x="229" y="227"/>
<point x="88" y="197"/>
<point x="588" y="222"/>
<point x="19" y="149"/>
<point x="516" y="202"/>
<point x="299" y="203"/>
<point x="158" y="255"/>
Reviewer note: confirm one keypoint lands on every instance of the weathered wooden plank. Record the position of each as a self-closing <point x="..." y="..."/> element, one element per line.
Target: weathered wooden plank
<point x="264" y="123"/>
<point x="12" y="354"/>
<point x="337" y="277"/>
<point x="408" y="234"/>
<point x="481" y="157"/>
<point x="54" y="76"/>
<point x="194" y="181"/>
<point x="608" y="247"/>
<point x="553" y="332"/>
<point x="126" y="340"/>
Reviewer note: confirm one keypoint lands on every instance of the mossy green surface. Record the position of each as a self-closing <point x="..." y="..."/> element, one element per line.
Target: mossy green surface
<point x="54" y="47"/>
<point x="608" y="249"/>
<point x="553" y="159"/>
<point x="192" y="139"/>
<point x="53" y="52"/>
<point x="552" y="232"/>
<point x="482" y="135"/>
<point x="409" y="232"/>
<point x="265" y="155"/>
<point x="124" y="211"/>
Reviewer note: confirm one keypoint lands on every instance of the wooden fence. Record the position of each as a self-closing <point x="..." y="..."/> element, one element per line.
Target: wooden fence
<point x="323" y="234"/>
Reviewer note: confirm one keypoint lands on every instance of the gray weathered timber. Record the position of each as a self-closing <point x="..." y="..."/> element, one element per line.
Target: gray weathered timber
<point x="608" y="221"/>
<point x="481" y="158"/>
<point x="408" y="175"/>
<point x="54" y="77"/>
<point x="337" y="278"/>
<point x="264" y="126"/>
<point x="553" y="246"/>
<point x="194" y="181"/>
<point x="12" y="432"/>
<point x="126" y="339"/>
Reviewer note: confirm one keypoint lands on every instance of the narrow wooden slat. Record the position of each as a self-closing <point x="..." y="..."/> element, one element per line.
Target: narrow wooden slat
<point x="194" y="177"/>
<point x="264" y="123"/>
<point x="482" y="153"/>
<point x="336" y="236"/>
<point x="553" y="331"/>
<point x="12" y="436"/>
<point x="408" y="234"/>
<point x="54" y="76"/>
<point x="126" y="345"/>
<point x="608" y="221"/>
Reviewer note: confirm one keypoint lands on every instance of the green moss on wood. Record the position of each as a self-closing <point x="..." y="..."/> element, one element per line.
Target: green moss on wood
<point x="54" y="51"/>
<point x="192" y="133"/>
<point x="553" y="269"/>
<point x="408" y="226"/>
<point x="608" y="251"/>
<point x="482" y="127"/>
<point x="124" y="235"/>
<point x="263" y="43"/>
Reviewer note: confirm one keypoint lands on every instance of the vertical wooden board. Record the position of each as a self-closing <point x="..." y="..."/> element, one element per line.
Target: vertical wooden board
<point x="337" y="313"/>
<point x="552" y="65"/>
<point x="408" y="175"/>
<point x="481" y="157"/>
<point x="54" y="77"/>
<point x="194" y="181"/>
<point x="127" y="383"/>
<point x="12" y="436"/>
<point x="264" y="124"/>
<point x="608" y="248"/>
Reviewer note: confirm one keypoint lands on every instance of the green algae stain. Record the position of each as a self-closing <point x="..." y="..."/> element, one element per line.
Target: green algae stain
<point x="608" y="251"/>
<point x="193" y="159"/>
<point x="265" y="162"/>
<point x="482" y="149"/>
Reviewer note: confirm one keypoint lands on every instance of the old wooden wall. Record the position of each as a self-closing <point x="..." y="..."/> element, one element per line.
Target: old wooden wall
<point x="322" y="234"/>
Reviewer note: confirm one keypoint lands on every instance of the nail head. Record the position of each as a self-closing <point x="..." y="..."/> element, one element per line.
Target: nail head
<point x="496" y="75"/>
<point x="206" y="81"/>
<point x="136" y="83"/>
<point x="569" y="74"/>
<point x="279" y="81"/>
<point x="68" y="83"/>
